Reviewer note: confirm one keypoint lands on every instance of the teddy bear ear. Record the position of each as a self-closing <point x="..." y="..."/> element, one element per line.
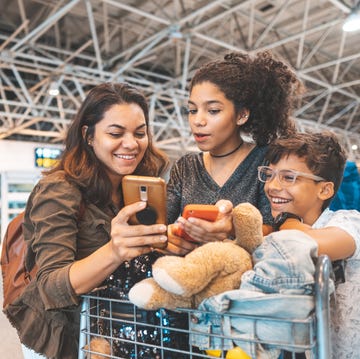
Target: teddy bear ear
<point x="248" y="223"/>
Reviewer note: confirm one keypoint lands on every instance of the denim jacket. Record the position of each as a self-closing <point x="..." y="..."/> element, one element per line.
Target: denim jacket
<point x="280" y="286"/>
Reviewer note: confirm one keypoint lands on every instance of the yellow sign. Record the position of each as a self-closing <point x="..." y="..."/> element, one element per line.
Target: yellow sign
<point x="46" y="157"/>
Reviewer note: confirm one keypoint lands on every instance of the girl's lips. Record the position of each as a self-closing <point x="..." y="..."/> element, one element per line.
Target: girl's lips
<point x="200" y="137"/>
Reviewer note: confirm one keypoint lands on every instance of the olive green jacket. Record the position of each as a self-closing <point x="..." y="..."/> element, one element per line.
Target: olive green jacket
<point x="60" y="227"/>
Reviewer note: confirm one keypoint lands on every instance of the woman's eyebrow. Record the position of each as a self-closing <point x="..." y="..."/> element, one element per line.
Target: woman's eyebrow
<point x="210" y="102"/>
<point x="124" y="128"/>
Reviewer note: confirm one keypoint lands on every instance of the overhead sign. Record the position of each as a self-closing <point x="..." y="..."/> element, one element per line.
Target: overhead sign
<point x="46" y="157"/>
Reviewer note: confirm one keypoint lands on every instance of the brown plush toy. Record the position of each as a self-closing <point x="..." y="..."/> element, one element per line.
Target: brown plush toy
<point x="183" y="282"/>
<point x="208" y="270"/>
<point x="97" y="347"/>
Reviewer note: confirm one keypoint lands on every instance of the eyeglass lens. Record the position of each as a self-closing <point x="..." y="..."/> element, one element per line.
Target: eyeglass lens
<point x="284" y="176"/>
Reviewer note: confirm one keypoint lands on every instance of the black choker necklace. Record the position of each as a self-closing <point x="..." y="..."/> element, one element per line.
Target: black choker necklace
<point x="227" y="154"/>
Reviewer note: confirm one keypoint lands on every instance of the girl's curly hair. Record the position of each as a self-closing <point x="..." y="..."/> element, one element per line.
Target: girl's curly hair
<point x="264" y="85"/>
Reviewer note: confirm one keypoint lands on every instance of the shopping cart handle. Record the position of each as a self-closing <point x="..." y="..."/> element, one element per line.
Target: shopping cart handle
<point x="323" y="274"/>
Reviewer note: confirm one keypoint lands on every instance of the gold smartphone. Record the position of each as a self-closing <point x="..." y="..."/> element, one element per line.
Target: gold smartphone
<point x="151" y="190"/>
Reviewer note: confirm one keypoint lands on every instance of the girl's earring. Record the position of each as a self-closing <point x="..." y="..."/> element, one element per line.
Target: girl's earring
<point x="242" y="120"/>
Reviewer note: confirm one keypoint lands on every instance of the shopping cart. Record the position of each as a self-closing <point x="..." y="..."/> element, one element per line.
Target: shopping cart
<point x="132" y="335"/>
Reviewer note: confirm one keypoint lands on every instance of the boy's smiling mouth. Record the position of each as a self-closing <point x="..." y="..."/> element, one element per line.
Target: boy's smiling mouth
<point x="279" y="200"/>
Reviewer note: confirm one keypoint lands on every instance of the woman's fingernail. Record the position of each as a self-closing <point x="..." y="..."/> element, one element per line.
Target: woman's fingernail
<point x="163" y="238"/>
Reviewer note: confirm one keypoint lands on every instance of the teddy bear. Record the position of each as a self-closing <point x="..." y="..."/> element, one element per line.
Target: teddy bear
<point x="213" y="268"/>
<point x="184" y="282"/>
<point x="97" y="347"/>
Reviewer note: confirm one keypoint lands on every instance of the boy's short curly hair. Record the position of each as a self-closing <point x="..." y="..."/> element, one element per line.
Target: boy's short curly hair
<point x="322" y="152"/>
<point x="267" y="87"/>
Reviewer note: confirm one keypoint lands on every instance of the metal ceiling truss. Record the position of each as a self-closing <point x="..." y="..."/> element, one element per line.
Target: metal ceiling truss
<point x="156" y="45"/>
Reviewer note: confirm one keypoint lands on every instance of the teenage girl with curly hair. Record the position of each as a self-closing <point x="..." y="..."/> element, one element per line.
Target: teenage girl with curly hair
<point x="236" y="107"/>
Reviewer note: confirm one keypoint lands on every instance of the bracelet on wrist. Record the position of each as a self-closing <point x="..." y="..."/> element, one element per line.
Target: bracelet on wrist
<point x="280" y="219"/>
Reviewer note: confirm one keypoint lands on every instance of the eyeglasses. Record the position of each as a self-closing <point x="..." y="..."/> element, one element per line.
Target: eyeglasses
<point x="285" y="177"/>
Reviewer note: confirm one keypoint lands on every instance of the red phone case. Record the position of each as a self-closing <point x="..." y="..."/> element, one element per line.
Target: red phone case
<point x="207" y="212"/>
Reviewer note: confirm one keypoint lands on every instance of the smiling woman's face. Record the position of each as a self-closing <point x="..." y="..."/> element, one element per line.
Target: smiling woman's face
<point x="212" y="119"/>
<point x="120" y="140"/>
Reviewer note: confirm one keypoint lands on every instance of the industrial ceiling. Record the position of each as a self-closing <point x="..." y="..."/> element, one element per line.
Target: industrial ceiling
<point x="157" y="45"/>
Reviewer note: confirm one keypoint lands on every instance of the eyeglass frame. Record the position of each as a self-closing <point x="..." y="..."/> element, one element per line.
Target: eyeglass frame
<point x="275" y="173"/>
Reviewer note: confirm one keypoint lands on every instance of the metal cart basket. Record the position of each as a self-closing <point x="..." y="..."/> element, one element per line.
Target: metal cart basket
<point x="132" y="335"/>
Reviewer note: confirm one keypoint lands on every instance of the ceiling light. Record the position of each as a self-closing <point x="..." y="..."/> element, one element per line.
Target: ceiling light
<point x="175" y="32"/>
<point x="53" y="89"/>
<point x="352" y="23"/>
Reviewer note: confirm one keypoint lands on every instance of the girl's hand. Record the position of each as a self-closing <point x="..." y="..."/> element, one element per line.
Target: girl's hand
<point x="130" y="241"/>
<point x="177" y="245"/>
<point x="203" y="231"/>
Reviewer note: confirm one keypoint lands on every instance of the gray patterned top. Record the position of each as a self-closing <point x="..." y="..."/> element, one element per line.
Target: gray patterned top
<point x="190" y="183"/>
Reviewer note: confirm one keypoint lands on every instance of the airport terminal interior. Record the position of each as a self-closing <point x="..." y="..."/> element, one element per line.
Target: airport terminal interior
<point x="53" y="52"/>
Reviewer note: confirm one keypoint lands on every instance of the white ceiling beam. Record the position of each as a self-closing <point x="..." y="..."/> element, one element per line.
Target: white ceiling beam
<point x="94" y="36"/>
<point x="44" y="26"/>
<point x="137" y="11"/>
<point x="161" y="35"/>
<point x="14" y="34"/>
<point x="271" y="24"/>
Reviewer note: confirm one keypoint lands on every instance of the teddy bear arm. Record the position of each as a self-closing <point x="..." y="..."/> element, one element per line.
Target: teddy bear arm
<point x="191" y="274"/>
<point x="147" y="294"/>
<point x="248" y="226"/>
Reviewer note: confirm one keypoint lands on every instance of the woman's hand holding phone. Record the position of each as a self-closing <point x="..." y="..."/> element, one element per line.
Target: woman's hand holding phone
<point x="152" y="192"/>
<point x="129" y="241"/>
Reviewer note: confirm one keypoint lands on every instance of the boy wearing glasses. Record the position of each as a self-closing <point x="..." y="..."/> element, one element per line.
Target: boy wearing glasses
<point x="302" y="177"/>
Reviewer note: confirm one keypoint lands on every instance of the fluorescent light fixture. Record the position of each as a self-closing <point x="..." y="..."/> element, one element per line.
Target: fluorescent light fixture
<point x="53" y="88"/>
<point x="352" y="23"/>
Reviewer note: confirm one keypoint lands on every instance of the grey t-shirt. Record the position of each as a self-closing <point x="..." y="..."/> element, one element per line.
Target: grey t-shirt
<point x="190" y="183"/>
